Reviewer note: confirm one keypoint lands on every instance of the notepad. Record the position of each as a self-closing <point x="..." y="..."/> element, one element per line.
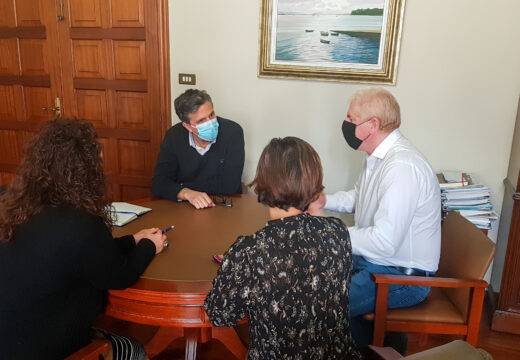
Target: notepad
<point x="123" y="213"/>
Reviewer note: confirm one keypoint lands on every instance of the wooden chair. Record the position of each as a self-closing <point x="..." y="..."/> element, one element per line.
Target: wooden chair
<point x="96" y="350"/>
<point x="454" y="305"/>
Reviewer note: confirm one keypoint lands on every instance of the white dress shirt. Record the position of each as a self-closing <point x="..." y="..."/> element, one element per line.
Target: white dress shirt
<point x="397" y="207"/>
<point x="200" y="149"/>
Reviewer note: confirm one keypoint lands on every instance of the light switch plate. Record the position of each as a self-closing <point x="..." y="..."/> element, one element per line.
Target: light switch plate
<point x="189" y="79"/>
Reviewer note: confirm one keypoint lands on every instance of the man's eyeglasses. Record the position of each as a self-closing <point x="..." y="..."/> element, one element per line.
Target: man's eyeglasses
<point x="222" y="200"/>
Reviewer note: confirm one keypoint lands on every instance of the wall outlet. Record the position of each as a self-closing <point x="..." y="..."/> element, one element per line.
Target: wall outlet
<point x="189" y="79"/>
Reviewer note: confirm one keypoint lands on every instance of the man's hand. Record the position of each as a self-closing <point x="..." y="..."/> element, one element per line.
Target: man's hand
<point x="315" y="208"/>
<point x="199" y="200"/>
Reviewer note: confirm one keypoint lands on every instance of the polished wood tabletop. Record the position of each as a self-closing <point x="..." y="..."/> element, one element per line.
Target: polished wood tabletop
<point x="198" y="234"/>
<point x="172" y="290"/>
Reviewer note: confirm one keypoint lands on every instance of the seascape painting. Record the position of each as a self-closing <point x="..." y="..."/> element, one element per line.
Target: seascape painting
<point x="331" y="39"/>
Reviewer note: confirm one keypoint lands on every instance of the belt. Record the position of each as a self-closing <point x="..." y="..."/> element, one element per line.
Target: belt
<point x="413" y="271"/>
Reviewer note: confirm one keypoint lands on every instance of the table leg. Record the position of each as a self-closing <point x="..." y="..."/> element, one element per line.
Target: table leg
<point x="230" y="339"/>
<point x="162" y="338"/>
<point x="192" y="336"/>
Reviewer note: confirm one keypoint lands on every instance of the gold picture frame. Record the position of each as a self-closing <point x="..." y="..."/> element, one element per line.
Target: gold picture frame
<point x="293" y="43"/>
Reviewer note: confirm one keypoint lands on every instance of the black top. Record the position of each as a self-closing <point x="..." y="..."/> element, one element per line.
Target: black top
<point x="218" y="171"/>
<point x="53" y="275"/>
<point x="291" y="279"/>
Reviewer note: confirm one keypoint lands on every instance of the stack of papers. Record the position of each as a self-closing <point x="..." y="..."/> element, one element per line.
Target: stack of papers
<point x="123" y="213"/>
<point x="472" y="202"/>
<point x="451" y="179"/>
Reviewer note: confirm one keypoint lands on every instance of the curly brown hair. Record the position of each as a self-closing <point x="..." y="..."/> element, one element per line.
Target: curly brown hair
<point x="62" y="166"/>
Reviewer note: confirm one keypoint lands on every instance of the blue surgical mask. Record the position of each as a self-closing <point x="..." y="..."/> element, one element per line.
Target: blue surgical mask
<point x="209" y="130"/>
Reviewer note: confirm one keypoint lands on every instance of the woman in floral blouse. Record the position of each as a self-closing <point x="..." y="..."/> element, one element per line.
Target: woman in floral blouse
<point x="292" y="277"/>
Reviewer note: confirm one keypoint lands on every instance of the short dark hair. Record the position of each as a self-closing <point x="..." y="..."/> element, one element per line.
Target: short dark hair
<point x="289" y="174"/>
<point x="189" y="102"/>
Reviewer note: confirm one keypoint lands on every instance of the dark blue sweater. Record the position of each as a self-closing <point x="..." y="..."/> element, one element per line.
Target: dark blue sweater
<point x="218" y="171"/>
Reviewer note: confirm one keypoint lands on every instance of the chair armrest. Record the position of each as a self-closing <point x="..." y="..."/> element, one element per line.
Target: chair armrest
<point x="427" y="281"/>
<point x="91" y="351"/>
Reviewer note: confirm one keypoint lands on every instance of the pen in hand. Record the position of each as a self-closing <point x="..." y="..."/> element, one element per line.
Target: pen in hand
<point x="165" y="231"/>
<point x="168" y="229"/>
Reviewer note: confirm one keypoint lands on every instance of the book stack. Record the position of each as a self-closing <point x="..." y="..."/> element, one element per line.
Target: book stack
<point x="471" y="201"/>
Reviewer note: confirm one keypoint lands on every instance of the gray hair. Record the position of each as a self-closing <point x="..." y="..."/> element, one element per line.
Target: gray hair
<point x="380" y="103"/>
<point x="189" y="102"/>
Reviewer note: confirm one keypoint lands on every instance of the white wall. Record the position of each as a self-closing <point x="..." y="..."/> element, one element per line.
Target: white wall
<point x="458" y="84"/>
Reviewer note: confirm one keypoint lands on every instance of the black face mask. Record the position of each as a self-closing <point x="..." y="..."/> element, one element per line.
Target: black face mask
<point x="349" y="133"/>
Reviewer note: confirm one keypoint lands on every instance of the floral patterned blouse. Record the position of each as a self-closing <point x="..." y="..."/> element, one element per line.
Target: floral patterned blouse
<point x="291" y="279"/>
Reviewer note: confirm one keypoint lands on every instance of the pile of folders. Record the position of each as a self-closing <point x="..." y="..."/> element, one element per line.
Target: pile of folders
<point x="471" y="201"/>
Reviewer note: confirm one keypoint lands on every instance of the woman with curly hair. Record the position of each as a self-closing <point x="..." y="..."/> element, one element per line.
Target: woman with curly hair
<point x="290" y="278"/>
<point x="57" y="254"/>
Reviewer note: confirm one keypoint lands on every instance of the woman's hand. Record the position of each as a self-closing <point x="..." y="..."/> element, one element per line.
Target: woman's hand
<point x="159" y="239"/>
<point x="144" y="234"/>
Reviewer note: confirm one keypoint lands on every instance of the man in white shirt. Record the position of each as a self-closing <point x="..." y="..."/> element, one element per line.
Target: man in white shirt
<point x="396" y="202"/>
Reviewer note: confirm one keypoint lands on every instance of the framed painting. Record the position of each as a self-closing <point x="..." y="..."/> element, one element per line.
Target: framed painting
<point x="334" y="40"/>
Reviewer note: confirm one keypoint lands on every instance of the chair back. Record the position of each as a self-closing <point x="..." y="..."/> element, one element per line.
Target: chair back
<point x="466" y="253"/>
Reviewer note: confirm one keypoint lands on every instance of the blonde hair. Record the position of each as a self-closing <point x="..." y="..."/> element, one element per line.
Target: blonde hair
<point x="380" y="103"/>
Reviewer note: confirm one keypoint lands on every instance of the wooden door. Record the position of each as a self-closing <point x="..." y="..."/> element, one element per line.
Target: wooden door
<point x="29" y="77"/>
<point x="114" y="72"/>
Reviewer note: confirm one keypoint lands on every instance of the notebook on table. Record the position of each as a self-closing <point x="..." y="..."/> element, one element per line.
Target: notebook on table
<point x="123" y="212"/>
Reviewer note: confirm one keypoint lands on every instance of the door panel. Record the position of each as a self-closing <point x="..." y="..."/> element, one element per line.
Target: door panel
<point x="112" y="80"/>
<point x="127" y="13"/>
<point x="28" y="14"/>
<point x="106" y="61"/>
<point x="29" y="76"/>
<point x="92" y="106"/>
<point x="9" y="51"/>
<point x="130" y="60"/>
<point x="85" y="13"/>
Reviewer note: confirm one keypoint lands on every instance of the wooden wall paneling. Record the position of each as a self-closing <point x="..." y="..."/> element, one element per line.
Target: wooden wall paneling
<point x="130" y="193"/>
<point x="89" y="59"/>
<point x="134" y="158"/>
<point x="28" y="76"/>
<point x="164" y="92"/>
<point x="29" y="13"/>
<point x="9" y="147"/>
<point x="9" y="59"/>
<point x="132" y="110"/>
<point x="510" y="288"/>
<point x="37" y="98"/>
<point x="507" y="315"/>
<point x="12" y="146"/>
<point x="33" y="57"/>
<point x="9" y="94"/>
<point x="128" y="13"/>
<point x="85" y="13"/>
<point x="130" y="60"/>
<point x="7" y="17"/>
<point x="129" y="33"/>
<point x="92" y="106"/>
<point x="155" y="88"/>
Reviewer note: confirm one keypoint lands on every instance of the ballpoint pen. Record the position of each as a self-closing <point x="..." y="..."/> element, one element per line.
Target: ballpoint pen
<point x="164" y="232"/>
<point x="168" y="229"/>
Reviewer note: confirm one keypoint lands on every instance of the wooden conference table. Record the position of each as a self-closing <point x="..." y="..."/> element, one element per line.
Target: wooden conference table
<point x="171" y="292"/>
